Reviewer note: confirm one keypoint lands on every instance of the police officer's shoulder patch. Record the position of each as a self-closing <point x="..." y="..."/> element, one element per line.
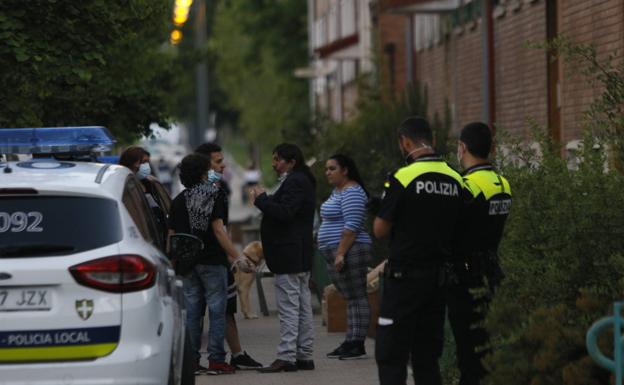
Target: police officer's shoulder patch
<point x="472" y="187"/>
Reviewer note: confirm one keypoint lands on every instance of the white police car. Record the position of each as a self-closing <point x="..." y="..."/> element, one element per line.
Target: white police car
<point x="86" y="294"/>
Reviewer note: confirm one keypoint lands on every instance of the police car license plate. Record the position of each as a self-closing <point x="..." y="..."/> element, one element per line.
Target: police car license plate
<point x="25" y="299"/>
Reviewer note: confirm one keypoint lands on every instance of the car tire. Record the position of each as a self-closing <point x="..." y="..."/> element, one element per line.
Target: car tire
<point x="188" y="362"/>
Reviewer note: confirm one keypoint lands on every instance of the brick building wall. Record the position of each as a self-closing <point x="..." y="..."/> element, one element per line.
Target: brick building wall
<point x="520" y="72"/>
<point x="452" y="72"/>
<point x="452" y="69"/>
<point x="391" y="30"/>
<point x="467" y="76"/>
<point x="600" y="22"/>
<point x="433" y="71"/>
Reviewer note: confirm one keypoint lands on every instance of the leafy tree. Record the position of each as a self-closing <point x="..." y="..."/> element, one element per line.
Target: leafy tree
<point x="257" y="45"/>
<point x="94" y="62"/>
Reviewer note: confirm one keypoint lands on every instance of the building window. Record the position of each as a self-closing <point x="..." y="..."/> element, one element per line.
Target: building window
<point x="436" y="29"/>
<point x="332" y="30"/>
<point x="418" y="39"/>
<point x="426" y="31"/>
<point x="349" y="71"/>
<point x="320" y="32"/>
<point x="468" y="13"/>
<point x="347" y="18"/>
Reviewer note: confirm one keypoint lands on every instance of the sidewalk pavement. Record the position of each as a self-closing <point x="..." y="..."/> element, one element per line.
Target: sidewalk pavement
<point x="259" y="337"/>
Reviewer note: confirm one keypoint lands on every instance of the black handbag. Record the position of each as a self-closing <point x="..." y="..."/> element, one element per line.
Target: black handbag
<point x="185" y="251"/>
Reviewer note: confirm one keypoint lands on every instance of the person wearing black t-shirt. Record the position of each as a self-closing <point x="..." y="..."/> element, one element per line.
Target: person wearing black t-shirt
<point x="239" y="358"/>
<point x="201" y="210"/>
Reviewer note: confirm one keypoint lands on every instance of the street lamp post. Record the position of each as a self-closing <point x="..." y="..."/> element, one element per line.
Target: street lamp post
<point x="201" y="71"/>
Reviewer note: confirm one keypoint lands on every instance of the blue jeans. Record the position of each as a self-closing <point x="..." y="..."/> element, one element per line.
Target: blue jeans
<point x="206" y="283"/>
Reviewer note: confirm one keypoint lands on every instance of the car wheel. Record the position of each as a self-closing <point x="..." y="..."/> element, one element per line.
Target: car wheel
<point x="188" y="362"/>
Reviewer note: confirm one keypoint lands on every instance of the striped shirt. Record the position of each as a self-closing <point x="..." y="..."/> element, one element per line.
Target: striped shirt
<point x="343" y="210"/>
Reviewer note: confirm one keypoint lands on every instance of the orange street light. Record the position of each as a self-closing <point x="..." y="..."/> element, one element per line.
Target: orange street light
<point x="176" y="37"/>
<point x="179" y="20"/>
<point x="184" y="3"/>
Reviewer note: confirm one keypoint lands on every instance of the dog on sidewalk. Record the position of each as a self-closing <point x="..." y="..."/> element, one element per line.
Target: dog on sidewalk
<point x="253" y="252"/>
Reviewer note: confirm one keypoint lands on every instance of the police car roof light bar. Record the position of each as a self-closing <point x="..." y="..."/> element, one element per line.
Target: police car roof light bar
<point x="55" y="140"/>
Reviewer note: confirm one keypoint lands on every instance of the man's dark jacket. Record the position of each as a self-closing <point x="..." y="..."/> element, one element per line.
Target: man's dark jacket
<point x="287" y="222"/>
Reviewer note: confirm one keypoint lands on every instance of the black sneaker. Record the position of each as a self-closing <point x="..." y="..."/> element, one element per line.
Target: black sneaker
<point x="305" y="364"/>
<point x="244" y="361"/>
<point x="339" y="351"/>
<point x="199" y="370"/>
<point x="355" y="351"/>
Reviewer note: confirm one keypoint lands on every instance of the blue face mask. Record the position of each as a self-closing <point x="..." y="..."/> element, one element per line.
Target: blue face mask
<point x="214" y="176"/>
<point x="144" y="170"/>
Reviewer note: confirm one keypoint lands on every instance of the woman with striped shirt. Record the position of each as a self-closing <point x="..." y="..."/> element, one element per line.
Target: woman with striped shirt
<point x="346" y="247"/>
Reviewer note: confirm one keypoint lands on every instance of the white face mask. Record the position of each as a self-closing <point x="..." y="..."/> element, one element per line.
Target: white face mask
<point x="214" y="176"/>
<point x="460" y="154"/>
<point x="144" y="170"/>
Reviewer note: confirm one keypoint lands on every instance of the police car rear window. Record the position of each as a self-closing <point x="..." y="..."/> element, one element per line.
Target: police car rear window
<point x="41" y="226"/>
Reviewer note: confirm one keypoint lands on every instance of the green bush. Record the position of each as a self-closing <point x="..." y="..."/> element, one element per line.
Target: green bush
<point x="563" y="249"/>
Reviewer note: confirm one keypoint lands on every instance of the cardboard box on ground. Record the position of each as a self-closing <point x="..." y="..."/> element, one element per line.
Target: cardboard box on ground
<point x="334" y="306"/>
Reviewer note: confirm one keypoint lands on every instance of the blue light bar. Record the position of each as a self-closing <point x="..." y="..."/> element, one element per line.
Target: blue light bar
<point x="54" y="140"/>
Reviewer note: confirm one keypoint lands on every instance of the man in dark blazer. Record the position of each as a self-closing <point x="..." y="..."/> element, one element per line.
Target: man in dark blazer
<point x="286" y="231"/>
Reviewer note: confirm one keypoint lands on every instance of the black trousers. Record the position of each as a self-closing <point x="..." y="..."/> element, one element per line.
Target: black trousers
<point x="411" y="324"/>
<point x="466" y="312"/>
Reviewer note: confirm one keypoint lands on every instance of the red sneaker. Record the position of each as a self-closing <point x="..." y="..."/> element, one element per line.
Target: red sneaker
<point x="215" y="368"/>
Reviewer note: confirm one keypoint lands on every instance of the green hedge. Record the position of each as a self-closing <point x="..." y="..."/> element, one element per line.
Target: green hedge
<point x="563" y="256"/>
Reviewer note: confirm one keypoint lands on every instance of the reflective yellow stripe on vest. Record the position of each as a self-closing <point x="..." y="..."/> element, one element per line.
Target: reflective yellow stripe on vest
<point x="407" y="174"/>
<point x="488" y="182"/>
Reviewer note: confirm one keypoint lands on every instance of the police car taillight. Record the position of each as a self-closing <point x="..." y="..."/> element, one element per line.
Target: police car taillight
<point x="116" y="274"/>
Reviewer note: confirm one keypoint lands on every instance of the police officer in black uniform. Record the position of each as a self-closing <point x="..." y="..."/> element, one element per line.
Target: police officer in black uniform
<point x="475" y="265"/>
<point x="419" y="212"/>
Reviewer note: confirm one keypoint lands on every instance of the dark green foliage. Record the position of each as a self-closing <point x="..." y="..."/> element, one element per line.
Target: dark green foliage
<point x="562" y="253"/>
<point x="257" y="46"/>
<point x="84" y="62"/>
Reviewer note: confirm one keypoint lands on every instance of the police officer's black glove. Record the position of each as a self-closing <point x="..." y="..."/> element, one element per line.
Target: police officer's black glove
<point x="373" y="205"/>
